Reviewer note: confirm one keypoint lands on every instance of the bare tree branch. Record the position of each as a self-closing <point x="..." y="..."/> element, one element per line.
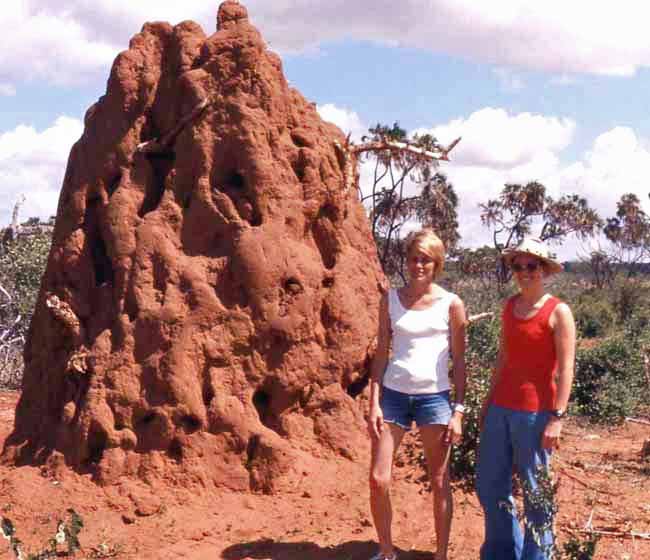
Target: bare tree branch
<point x="442" y="153"/>
<point x="6" y="293"/>
<point x="161" y="145"/>
<point x="7" y="331"/>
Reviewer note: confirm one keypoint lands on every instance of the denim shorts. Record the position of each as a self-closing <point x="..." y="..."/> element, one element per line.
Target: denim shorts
<point x="402" y="409"/>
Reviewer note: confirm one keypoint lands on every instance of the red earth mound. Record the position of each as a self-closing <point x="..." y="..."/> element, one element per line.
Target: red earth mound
<point x="210" y="301"/>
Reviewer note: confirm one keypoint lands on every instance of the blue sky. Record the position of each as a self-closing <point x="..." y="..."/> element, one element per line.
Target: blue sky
<point x="550" y="91"/>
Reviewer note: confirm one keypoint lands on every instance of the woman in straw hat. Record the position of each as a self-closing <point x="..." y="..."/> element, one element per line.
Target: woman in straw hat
<point x="422" y="324"/>
<point x="523" y="411"/>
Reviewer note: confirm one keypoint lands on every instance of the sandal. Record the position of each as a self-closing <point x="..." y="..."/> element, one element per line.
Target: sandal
<point x="382" y="556"/>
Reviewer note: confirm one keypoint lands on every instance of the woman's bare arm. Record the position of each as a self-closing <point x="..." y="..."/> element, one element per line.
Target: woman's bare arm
<point x="458" y="322"/>
<point x="378" y="367"/>
<point x="564" y="337"/>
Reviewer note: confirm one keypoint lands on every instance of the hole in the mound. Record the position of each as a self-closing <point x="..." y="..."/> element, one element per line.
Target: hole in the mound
<point x="329" y="211"/>
<point x="175" y="450"/>
<point x="299" y="166"/>
<point x="236" y="180"/>
<point x="355" y="388"/>
<point x="325" y="237"/>
<point x="101" y="261"/>
<point x="149" y="418"/>
<point x="191" y="423"/>
<point x="251" y="450"/>
<point x="326" y="317"/>
<point x="187" y="200"/>
<point x="301" y="139"/>
<point x="208" y="393"/>
<point x="130" y="308"/>
<point x="112" y="185"/>
<point x="256" y="221"/>
<point x="328" y="282"/>
<point x="97" y="442"/>
<point x="293" y="286"/>
<point x="234" y="185"/>
<point x="262" y="403"/>
<point x="161" y="165"/>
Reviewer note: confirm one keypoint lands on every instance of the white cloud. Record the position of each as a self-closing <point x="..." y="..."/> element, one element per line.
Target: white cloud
<point x="557" y="36"/>
<point x="492" y="137"/>
<point x="617" y="163"/>
<point x="510" y="82"/>
<point x="498" y="148"/>
<point x="348" y="121"/>
<point x="42" y="44"/>
<point x="7" y="90"/>
<point x="33" y="163"/>
<point x="76" y="41"/>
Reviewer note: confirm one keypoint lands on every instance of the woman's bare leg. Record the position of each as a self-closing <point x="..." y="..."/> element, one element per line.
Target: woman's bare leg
<point x="437" y="454"/>
<point x="383" y="451"/>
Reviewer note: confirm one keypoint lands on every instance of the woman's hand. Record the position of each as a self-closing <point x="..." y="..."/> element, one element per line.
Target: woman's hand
<point x="454" y="432"/>
<point x="375" y="421"/>
<point x="551" y="435"/>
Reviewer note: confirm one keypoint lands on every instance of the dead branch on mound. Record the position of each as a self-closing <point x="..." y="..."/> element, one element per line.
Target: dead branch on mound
<point x="159" y="146"/>
<point x="14" y="216"/>
<point x="5" y="293"/>
<point x="479" y="316"/>
<point x="64" y="313"/>
<point x="441" y="153"/>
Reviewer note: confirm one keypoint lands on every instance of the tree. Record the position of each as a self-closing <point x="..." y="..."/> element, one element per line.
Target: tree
<point x="602" y="267"/>
<point x="22" y="262"/>
<point x="479" y="263"/>
<point x="629" y="233"/>
<point x="406" y="188"/>
<point x="518" y="208"/>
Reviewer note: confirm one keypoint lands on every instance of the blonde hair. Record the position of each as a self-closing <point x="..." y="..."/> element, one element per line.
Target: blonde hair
<point x="430" y="244"/>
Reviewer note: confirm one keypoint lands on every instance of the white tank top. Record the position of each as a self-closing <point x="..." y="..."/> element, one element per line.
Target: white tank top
<point x="419" y="360"/>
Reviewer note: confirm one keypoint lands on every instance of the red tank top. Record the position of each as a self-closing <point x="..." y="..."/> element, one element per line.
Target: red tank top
<point x="527" y="380"/>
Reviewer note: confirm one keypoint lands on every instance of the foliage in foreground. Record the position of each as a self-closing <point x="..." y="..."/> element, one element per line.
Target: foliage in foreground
<point x="543" y="500"/>
<point x="67" y="532"/>
<point x="22" y="262"/>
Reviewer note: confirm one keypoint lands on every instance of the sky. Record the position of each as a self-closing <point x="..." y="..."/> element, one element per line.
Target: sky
<point x="556" y="92"/>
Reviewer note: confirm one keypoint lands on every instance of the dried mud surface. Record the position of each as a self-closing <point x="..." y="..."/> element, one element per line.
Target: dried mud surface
<point x="325" y="516"/>
<point x="208" y="311"/>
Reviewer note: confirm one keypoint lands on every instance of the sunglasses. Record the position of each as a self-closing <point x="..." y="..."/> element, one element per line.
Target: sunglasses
<point x="530" y="267"/>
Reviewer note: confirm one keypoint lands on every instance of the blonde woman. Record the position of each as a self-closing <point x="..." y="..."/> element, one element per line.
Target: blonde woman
<point x="423" y="324"/>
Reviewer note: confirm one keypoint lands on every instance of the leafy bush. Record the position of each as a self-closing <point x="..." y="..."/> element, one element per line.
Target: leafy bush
<point x="22" y="263"/>
<point x="609" y="379"/>
<point x="482" y="348"/>
<point x="630" y="296"/>
<point x="594" y="316"/>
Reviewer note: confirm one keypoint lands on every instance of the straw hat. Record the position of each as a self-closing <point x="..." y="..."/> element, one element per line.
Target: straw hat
<point x="536" y="248"/>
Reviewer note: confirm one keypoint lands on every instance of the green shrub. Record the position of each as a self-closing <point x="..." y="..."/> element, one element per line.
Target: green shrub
<point x="609" y="379"/>
<point x="630" y="296"/>
<point x="594" y="316"/>
<point x="482" y="348"/>
<point x="22" y="263"/>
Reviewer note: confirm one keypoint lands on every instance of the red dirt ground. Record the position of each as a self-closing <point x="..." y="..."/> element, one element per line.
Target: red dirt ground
<point x="326" y="515"/>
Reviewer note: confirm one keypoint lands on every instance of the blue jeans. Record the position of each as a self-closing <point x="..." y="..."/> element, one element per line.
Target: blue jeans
<point x="511" y="437"/>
